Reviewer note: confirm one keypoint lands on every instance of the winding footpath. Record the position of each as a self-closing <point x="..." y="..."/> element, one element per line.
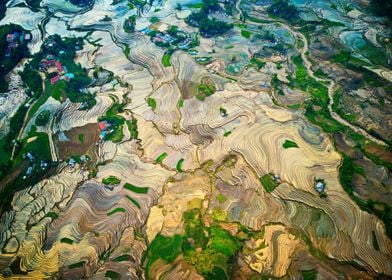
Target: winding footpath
<point x="331" y="88"/>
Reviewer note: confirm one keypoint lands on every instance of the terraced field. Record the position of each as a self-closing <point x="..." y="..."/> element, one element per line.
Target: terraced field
<point x="196" y="140"/>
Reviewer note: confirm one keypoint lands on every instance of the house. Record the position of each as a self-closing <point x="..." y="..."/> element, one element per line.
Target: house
<point x="55" y="79"/>
<point x="27" y="37"/>
<point x="102" y="125"/>
<point x="60" y="68"/>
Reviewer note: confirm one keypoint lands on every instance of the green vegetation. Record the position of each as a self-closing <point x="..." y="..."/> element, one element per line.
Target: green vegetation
<point x="32" y="79"/>
<point x="166" y="60"/>
<point x="132" y="127"/>
<point x="282" y="9"/>
<point x="257" y="62"/>
<point x="66" y="240"/>
<point x="133" y="201"/>
<point x="227" y="133"/>
<point x="77" y="265"/>
<point x="52" y="215"/>
<point x="346" y="172"/>
<point x="268" y="182"/>
<point x="179" y="165"/>
<point x="161" y="157"/>
<point x="43" y="118"/>
<point x="111" y="180"/>
<point x="154" y="20"/>
<point x="115" y="132"/>
<point x="152" y="103"/>
<point x="319" y="97"/>
<point x="210" y="250"/>
<point x="246" y="34"/>
<point x="221" y="198"/>
<point x="116" y="210"/>
<point x="122" y="258"/>
<point x="180" y="103"/>
<point x="112" y="275"/>
<point x="309" y="274"/>
<point x="133" y="188"/>
<point x="15" y="54"/>
<point x="129" y="24"/>
<point x="381" y="8"/>
<point x="208" y="27"/>
<point x="217" y="248"/>
<point x="81" y="138"/>
<point x="162" y="247"/>
<point x="204" y="90"/>
<point x="289" y="144"/>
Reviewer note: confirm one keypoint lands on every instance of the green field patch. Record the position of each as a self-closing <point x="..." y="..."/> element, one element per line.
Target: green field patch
<point x="66" y="240"/>
<point x="221" y="198"/>
<point x="122" y="258"/>
<point x="227" y="133"/>
<point x="163" y="247"/>
<point x="161" y="157"/>
<point x="179" y="165"/>
<point x="81" y="138"/>
<point x="268" y="182"/>
<point x="133" y="188"/>
<point x="132" y="127"/>
<point x="111" y="180"/>
<point x="133" y="201"/>
<point x="77" y="265"/>
<point x="52" y="215"/>
<point x="166" y="60"/>
<point x="116" y="210"/>
<point x="246" y="33"/>
<point x="180" y="103"/>
<point x="289" y="144"/>
<point x="43" y="118"/>
<point x="112" y="275"/>
<point x="152" y="103"/>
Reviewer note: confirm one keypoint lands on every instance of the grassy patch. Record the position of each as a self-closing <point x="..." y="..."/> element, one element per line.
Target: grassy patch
<point x="166" y="60"/>
<point x="43" y="118"/>
<point x="136" y="189"/>
<point x="221" y="198"/>
<point x="77" y="265"/>
<point x="112" y="275"/>
<point x="161" y="157"/>
<point x="81" y="138"/>
<point x="111" y="180"/>
<point x="227" y="133"/>
<point x="179" y="165"/>
<point x="246" y="33"/>
<point x="180" y="103"/>
<point x="116" y="210"/>
<point x="204" y="90"/>
<point x="163" y="247"/>
<point x="132" y="127"/>
<point x="152" y="103"/>
<point x="66" y="240"/>
<point x="289" y="144"/>
<point x="268" y="182"/>
<point x="52" y="215"/>
<point x="122" y="258"/>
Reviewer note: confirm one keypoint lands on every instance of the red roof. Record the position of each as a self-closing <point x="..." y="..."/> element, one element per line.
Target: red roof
<point x="102" y="125"/>
<point x="59" y="66"/>
<point x="54" y="79"/>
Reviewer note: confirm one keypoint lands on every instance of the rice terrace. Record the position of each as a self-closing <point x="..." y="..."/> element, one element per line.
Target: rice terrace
<point x="196" y="139"/>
